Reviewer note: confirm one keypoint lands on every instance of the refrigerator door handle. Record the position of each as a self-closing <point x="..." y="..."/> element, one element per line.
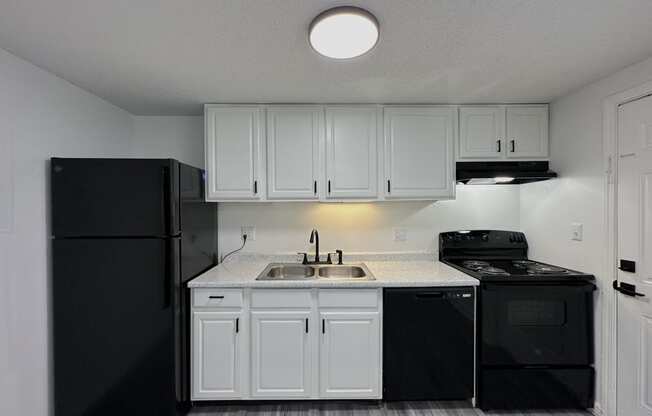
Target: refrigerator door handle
<point x="167" y="276"/>
<point x="165" y="199"/>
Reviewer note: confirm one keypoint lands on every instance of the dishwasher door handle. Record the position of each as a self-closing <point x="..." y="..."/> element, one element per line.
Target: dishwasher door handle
<point x="430" y="295"/>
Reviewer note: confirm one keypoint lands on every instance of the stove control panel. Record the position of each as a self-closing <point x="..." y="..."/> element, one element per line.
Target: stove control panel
<point x="481" y="240"/>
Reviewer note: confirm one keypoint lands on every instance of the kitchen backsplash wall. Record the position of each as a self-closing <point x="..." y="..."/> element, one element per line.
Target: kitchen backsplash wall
<point x="367" y="227"/>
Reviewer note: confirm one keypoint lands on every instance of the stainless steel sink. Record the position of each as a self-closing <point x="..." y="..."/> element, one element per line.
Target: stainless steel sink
<point x="287" y="272"/>
<point x="293" y="271"/>
<point x="343" y="272"/>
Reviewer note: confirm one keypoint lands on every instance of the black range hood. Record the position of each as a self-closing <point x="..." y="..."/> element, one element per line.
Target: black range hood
<point x="498" y="173"/>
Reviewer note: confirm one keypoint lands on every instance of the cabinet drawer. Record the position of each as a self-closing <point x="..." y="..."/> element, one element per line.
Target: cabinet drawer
<point x="217" y="298"/>
<point x="281" y="298"/>
<point x="353" y="298"/>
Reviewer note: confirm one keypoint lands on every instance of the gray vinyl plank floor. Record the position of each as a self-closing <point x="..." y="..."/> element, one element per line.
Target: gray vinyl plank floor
<point x="365" y="408"/>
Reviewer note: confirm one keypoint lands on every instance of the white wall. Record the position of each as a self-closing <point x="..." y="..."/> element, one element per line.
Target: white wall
<point x="181" y="138"/>
<point x="285" y="227"/>
<point x="40" y="116"/>
<point x="548" y="208"/>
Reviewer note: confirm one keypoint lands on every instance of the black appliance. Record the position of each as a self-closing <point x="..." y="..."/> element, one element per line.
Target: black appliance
<point x="502" y="173"/>
<point x="534" y="323"/>
<point x="428" y="343"/>
<point x="127" y="236"/>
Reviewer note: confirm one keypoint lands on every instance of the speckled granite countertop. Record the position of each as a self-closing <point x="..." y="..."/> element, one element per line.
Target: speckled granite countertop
<point x="389" y="269"/>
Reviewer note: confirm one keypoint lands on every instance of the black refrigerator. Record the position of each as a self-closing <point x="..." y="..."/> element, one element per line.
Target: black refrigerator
<point x="128" y="234"/>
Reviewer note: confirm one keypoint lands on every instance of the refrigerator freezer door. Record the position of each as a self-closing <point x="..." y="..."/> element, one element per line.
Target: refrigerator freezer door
<point x="114" y="197"/>
<point x="113" y="326"/>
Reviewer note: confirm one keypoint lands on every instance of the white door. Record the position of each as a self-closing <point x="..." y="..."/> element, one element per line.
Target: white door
<point x="527" y="131"/>
<point x="233" y="146"/>
<point x="280" y="354"/>
<point x="482" y="132"/>
<point x="350" y="355"/>
<point x="419" y="154"/>
<point x="216" y="355"/>
<point x="634" y="191"/>
<point x="293" y="139"/>
<point x="351" y="157"/>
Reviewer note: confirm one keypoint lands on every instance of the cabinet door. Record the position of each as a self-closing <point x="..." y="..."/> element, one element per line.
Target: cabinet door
<point x="419" y="155"/>
<point x="293" y="138"/>
<point x="216" y="355"/>
<point x="482" y="132"/>
<point x="233" y="152"/>
<point x="350" y="355"/>
<point x="281" y="354"/>
<point x="351" y="155"/>
<point x="527" y="131"/>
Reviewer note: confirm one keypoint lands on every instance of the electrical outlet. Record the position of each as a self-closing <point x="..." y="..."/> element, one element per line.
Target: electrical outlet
<point x="400" y="234"/>
<point x="250" y="231"/>
<point x="577" y="231"/>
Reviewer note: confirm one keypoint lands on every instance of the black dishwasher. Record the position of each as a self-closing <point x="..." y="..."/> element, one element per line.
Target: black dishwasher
<point x="428" y="343"/>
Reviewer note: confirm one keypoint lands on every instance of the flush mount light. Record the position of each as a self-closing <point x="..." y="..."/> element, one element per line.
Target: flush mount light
<point x="344" y="32"/>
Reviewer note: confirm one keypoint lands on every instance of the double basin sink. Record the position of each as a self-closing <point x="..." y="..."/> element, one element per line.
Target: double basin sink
<point x="293" y="271"/>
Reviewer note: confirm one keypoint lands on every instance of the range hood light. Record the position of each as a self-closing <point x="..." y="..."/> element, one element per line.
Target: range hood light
<point x="503" y="179"/>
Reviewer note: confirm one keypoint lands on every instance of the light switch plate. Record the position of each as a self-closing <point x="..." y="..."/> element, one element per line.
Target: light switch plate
<point x="250" y="230"/>
<point x="400" y="234"/>
<point x="577" y="231"/>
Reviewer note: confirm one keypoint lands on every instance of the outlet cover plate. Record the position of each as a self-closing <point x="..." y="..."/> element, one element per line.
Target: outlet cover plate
<point x="250" y="230"/>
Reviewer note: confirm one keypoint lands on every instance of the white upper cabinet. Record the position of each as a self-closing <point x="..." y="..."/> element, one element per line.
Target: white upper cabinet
<point x="419" y="152"/>
<point x="527" y="131"/>
<point x="482" y="132"/>
<point x="351" y="152"/>
<point x="294" y="134"/>
<point x="234" y="152"/>
<point x="503" y="132"/>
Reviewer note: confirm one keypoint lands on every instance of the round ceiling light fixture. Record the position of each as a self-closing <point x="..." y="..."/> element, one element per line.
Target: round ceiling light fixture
<point x="344" y="32"/>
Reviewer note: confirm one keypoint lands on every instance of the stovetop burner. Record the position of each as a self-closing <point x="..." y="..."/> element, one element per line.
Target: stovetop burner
<point x="494" y="271"/>
<point x="513" y="270"/>
<point x="475" y="264"/>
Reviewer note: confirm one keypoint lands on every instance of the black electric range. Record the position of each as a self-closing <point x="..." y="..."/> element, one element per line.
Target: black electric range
<point x="534" y="328"/>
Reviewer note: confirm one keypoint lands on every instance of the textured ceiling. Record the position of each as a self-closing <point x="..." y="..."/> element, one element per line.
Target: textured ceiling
<point x="168" y="57"/>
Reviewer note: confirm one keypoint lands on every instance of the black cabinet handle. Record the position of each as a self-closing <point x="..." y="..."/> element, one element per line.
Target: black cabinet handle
<point x="513" y="144"/>
<point x="329" y="186"/>
<point x="255" y="187"/>
<point x="216" y="297"/>
<point x="389" y="186"/>
<point x="237" y="325"/>
<point x="323" y="326"/>
<point x="315" y="187"/>
<point x="499" y="146"/>
<point x="306" y="325"/>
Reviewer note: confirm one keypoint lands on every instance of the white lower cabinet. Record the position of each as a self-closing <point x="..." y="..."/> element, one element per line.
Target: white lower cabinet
<point x="280" y="354"/>
<point x="216" y="355"/>
<point x="286" y="344"/>
<point x="350" y="355"/>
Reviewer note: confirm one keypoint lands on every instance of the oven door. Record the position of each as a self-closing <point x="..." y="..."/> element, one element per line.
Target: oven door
<point x="541" y="324"/>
